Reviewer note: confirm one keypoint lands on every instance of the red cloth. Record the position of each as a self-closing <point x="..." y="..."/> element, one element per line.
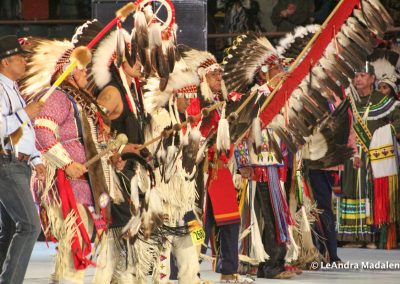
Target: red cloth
<point x="194" y="108"/>
<point x="381" y="200"/>
<point x="68" y="204"/>
<point x="223" y="197"/>
<point x="209" y="123"/>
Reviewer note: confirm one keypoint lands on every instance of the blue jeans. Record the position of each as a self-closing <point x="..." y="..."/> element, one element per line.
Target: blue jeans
<point x="19" y="220"/>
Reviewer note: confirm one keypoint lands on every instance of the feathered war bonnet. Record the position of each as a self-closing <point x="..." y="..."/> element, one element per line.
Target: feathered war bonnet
<point x="248" y="55"/>
<point x="47" y="59"/>
<point x="203" y="62"/>
<point x="108" y="53"/>
<point x="182" y="82"/>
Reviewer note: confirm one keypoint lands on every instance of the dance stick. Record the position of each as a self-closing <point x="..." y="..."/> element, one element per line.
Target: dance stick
<point x="120" y="140"/>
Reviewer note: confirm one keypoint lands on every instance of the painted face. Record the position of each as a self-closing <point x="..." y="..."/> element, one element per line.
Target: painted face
<point x="214" y="79"/>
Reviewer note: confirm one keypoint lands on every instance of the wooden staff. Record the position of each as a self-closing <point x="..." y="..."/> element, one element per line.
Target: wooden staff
<point x="120" y="140"/>
<point x="166" y="133"/>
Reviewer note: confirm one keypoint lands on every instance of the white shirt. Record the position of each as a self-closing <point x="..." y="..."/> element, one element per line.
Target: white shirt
<point x="13" y="116"/>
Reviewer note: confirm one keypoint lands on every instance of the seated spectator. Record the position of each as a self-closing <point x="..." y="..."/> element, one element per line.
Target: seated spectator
<point x="287" y="14"/>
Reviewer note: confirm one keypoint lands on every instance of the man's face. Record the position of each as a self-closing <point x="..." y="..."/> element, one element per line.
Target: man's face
<point x="80" y="76"/>
<point x="133" y="72"/>
<point x="182" y="103"/>
<point x="214" y="79"/>
<point x="363" y="81"/>
<point x="15" y="66"/>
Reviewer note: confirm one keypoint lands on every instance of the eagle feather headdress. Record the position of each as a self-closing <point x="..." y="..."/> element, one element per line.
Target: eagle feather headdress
<point x="47" y="57"/>
<point x="181" y="80"/>
<point x="320" y="75"/>
<point x="305" y="122"/>
<point x="109" y="50"/>
<point x="202" y="62"/>
<point x="244" y="59"/>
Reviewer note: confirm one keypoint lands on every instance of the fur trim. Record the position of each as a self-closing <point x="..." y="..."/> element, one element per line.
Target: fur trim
<point x="256" y="132"/>
<point x="126" y="10"/>
<point x="223" y="136"/>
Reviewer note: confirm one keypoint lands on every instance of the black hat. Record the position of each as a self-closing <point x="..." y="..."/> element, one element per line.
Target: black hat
<point x="9" y="45"/>
<point x="366" y="68"/>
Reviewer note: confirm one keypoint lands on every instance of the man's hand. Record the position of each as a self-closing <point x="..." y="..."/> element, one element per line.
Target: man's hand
<point x="117" y="161"/>
<point x="33" y="109"/>
<point x="246" y="172"/>
<point x="284" y="13"/>
<point x="132" y="148"/>
<point x="75" y="170"/>
<point x="40" y="172"/>
<point x="357" y="163"/>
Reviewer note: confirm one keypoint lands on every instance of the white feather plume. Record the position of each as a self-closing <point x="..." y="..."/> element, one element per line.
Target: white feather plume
<point x="140" y="20"/>
<point x="135" y="192"/>
<point x="223" y="136"/>
<point x="195" y="135"/>
<point x="103" y="55"/>
<point x="385" y="70"/>
<point x="155" y="99"/>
